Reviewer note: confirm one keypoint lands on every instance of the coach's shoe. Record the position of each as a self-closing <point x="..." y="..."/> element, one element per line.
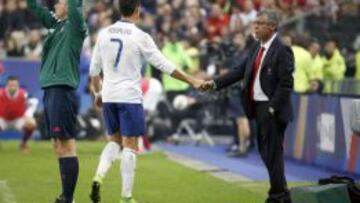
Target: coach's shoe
<point x="279" y="198"/>
<point x="95" y="192"/>
<point x="128" y="200"/>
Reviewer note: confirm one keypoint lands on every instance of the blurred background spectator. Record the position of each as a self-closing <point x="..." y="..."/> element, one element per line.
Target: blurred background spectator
<point x="208" y="37"/>
<point x="195" y="21"/>
<point x="334" y="64"/>
<point x="316" y="68"/>
<point x="33" y="48"/>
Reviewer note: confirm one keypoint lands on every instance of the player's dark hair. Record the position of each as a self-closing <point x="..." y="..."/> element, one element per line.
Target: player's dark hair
<point x="12" y="78"/>
<point x="128" y="7"/>
<point x="272" y="16"/>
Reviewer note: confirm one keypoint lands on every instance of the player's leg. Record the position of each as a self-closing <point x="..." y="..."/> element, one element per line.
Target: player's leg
<point x="109" y="154"/>
<point x="244" y="133"/>
<point x="234" y="110"/>
<point x="60" y="109"/>
<point x="132" y="122"/>
<point x="64" y="148"/>
<point x="69" y="167"/>
<point x="111" y="150"/>
<point x="2" y="127"/>
<point x="6" y="125"/>
<point x="128" y="166"/>
<point x="27" y="125"/>
<point x="242" y="126"/>
<point x="2" y="124"/>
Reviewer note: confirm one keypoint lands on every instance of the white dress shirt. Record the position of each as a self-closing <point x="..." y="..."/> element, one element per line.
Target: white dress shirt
<point x="259" y="94"/>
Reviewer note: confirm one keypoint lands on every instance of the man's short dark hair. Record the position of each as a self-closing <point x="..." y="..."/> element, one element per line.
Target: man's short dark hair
<point x="128" y="7"/>
<point x="271" y="15"/>
<point x="12" y="78"/>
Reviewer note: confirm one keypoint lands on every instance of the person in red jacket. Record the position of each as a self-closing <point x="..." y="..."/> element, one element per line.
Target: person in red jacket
<point x="217" y="23"/>
<point x="17" y="110"/>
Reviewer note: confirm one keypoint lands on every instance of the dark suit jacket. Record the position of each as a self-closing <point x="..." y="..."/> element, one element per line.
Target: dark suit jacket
<point x="276" y="78"/>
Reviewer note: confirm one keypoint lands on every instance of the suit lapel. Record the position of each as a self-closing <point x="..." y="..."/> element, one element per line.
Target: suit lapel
<point x="269" y="53"/>
<point x="250" y="63"/>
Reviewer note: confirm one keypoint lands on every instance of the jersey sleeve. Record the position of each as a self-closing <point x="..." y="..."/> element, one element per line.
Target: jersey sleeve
<point x="153" y="55"/>
<point x="47" y="18"/>
<point x="96" y="65"/>
<point x="75" y="15"/>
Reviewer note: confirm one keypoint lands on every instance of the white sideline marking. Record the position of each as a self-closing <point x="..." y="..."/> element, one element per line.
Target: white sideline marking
<point x="6" y="195"/>
<point x="217" y="172"/>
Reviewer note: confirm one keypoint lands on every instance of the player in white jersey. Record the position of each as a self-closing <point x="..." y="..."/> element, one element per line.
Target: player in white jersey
<point x="120" y="52"/>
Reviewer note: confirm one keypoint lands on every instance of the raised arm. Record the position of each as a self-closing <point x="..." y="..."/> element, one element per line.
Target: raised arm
<point x="75" y="15"/>
<point x="47" y="18"/>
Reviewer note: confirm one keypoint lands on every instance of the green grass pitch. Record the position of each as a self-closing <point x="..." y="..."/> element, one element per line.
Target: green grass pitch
<point x="34" y="178"/>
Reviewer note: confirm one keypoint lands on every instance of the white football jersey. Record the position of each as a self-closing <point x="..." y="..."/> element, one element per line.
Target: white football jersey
<point x="121" y="51"/>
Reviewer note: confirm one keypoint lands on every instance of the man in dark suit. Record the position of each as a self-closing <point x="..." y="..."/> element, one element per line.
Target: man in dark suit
<point x="268" y="83"/>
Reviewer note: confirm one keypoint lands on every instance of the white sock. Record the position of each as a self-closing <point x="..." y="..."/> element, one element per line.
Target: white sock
<point x="107" y="157"/>
<point x="128" y="165"/>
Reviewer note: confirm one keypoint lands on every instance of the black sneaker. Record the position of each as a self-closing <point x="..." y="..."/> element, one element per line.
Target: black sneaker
<point x="279" y="198"/>
<point x="95" y="192"/>
<point x="60" y="199"/>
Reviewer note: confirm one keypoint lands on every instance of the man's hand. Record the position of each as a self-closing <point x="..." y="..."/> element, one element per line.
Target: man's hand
<point x="207" y="85"/>
<point x="95" y="87"/>
<point x="196" y="83"/>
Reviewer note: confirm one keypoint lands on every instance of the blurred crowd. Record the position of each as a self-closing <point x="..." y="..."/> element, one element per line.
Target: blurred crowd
<point x="205" y="36"/>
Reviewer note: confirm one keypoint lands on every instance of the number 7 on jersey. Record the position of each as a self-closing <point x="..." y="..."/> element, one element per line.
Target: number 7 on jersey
<point x="118" y="55"/>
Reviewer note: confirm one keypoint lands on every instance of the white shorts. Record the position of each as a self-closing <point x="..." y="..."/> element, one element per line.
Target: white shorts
<point x="17" y="124"/>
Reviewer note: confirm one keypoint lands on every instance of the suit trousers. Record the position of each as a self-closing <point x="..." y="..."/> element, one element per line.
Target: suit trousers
<point x="270" y="137"/>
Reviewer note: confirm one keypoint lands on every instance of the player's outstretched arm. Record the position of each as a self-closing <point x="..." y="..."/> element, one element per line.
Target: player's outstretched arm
<point x="194" y="82"/>
<point x="153" y="55"/>
<point x="47" y="18"/>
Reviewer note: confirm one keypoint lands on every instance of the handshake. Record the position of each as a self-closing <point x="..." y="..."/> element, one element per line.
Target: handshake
<point x="199" y="84"/>
<point x="202" y="85"/>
